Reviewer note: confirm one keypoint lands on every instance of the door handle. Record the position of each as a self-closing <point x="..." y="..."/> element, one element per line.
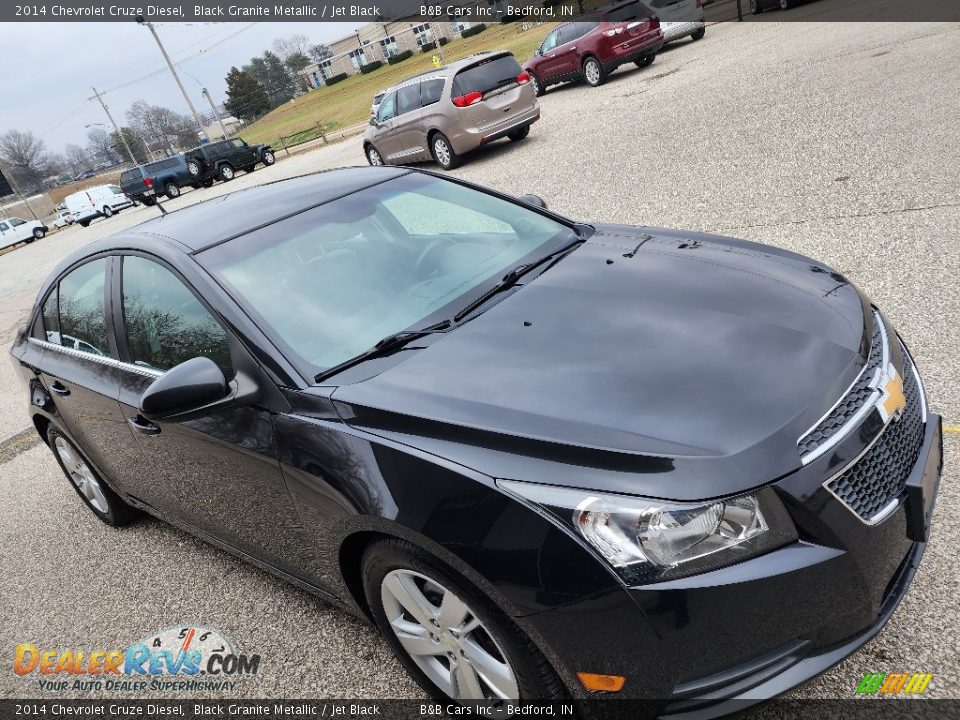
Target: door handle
<point x="142" y="425"/>
<point x="59" y="388"/>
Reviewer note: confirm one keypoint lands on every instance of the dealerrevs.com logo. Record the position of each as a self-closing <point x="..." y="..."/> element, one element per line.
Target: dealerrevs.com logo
<point x="188" y="658"/>
<point x="892" y="684"/>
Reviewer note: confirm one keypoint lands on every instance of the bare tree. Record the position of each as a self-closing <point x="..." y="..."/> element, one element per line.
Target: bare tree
<point x="77" y="158"/>
<point x="285" y="47"/>
<point x="319" y="52"/>
<point x="157" y="123"/>
<point x="25" y="155"/>
<point x="101" y="145"/>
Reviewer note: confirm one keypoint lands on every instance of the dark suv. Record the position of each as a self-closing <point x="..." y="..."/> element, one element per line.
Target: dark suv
<point x="595" y="46"/>
<point x="221" y="160"/>
<point x="167" y="177"/>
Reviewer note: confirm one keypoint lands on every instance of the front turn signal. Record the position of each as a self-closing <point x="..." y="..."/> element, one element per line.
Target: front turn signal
<point x="602" y="683"/>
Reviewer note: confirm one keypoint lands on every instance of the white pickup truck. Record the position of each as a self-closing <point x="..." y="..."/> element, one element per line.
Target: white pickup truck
<point x="16" y="230"/>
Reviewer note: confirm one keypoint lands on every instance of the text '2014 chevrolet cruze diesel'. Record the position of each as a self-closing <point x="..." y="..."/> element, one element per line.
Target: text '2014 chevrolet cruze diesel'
<point x="546" y="458"/>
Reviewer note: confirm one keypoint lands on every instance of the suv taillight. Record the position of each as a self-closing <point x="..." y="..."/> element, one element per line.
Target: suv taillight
<point x="523" y="78"/>
<point x="471" y="98"/>
<point x="148" y="182"/>
<point x="613" y="31"/>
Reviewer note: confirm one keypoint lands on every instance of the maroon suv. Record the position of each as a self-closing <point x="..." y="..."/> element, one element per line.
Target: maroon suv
<point x="596" y="45"/>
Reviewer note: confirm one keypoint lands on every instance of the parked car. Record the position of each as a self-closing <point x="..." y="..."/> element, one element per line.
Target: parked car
<point x="94" y="202"/>
<point x="592" y="48"/>
<point x="220" y="160"/>
<point x="377" y="99"/>
<point x="758" y="6"/>
<point x="15" y="230"/>
<point x="680" y="18"/>
<point x="547" y="458"/>
<point x="166" y="176"/>
<point x="447" y="112"/>
<point x="62" y="219"/>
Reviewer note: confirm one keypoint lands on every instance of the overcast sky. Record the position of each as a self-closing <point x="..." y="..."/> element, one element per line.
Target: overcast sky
<point x="47" y="69"/>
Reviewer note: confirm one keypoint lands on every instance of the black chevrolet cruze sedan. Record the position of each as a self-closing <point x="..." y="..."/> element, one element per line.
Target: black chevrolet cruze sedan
<point x="546" y="458"/>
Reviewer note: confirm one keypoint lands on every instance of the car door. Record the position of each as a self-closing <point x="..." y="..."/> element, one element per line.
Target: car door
<point x="21" y="229"/>
<point x="218" y="473"/>
<point x="387" y="140"/>
<point x="80" y="369"/>
<point x="550" y="66"/>
<point x="566" y="55"/>
<point x="243" y="154"/>
<point x="411" y="137"/>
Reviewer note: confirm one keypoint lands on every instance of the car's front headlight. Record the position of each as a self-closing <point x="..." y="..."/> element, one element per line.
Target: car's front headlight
<point x="651" y="540"/>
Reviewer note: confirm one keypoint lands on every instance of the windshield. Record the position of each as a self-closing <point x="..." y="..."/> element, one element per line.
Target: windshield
<point x="331" y="282"/>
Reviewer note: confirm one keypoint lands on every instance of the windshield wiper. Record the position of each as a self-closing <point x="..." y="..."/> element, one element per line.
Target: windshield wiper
<point x="383" y="347"/>
<point x="513" y="277"/>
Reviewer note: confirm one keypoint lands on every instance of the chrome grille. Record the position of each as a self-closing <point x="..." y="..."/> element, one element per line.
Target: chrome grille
<point x="877" y="480"/>
<point x="855" y="399"/>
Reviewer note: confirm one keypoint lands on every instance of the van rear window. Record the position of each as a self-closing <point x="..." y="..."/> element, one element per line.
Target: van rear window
<point x="630" y="11"/>
<point x="487" y="75"/>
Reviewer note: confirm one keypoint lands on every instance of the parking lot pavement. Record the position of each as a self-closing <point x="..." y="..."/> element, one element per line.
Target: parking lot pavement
<point x="837" y="141"/>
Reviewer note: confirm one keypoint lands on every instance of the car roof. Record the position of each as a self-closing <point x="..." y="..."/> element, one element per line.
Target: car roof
<point x="213" y="221"/>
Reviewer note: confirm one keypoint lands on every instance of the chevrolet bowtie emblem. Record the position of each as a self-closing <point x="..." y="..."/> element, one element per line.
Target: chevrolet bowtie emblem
<point x="892" y="400"/>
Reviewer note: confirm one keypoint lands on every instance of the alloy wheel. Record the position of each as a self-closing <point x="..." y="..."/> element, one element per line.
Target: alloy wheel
<point x="269" y="158"/>
<point x="592" y="71"/>
<point x="443" y="635"/>
<point x="226" y="172"/>
<point x="193" y="168"/>
<point x="374" y="157"/>
<point x="81" y="475"/>
<point x="784" y="4"/>
<point x="536" y="84"/>
<point x="442" y="151"/>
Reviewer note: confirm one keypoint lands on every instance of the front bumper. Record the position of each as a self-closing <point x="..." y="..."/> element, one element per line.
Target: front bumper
<point x="715" y="643"/>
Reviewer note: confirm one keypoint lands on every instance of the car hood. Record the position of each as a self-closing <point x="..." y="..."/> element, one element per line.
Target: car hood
<point x="692" y="360"/>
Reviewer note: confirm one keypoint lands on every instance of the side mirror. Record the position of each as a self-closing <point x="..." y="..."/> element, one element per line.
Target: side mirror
<point x="190" y="386"/>
<point x="534" y="200"/>
<point x="373" y="121"/>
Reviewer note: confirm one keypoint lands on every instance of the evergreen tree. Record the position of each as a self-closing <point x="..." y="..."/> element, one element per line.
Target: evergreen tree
<point x="246" y="98"/>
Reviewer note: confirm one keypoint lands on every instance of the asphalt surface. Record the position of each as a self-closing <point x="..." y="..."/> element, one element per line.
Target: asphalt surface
<point x="838" y="141"/>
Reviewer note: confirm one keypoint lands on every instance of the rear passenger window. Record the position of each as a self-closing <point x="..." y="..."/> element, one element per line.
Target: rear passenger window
<point x="83" y="322"/>
<point x="408" y="98"/>
<point x="51" y="318"/>
<point x="430" y="92"/>
<point x="165" y="323"/>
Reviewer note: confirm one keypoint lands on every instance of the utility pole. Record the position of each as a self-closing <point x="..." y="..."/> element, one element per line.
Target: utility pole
<point x="193" y="110"/>
<point x="123" y="138"/>
<point x="216" y="113"/>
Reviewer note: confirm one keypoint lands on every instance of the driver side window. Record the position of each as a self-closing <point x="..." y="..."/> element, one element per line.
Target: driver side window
<point x="164" y="322"/>
<point x="388" y="108"/>
<point x="551" y="41"/>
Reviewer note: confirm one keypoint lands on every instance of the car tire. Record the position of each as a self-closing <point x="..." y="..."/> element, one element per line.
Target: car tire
<point x="539" y="89"/>
<point x="374" y="157"/>
<point x="443" y="152"/>
<point x="593" y="72"/>
<point x="225" y="172"/>
<point x="645" y="60"/>
<point x="755" y="7"/>
<point x="391" y="569"/>
<point x="698" y="34"/>
<point x="194" y="167"/>
<point x="107" y="211"/>
<point x="84" y="223"/>
<point x="269" y="158"/>
<point x="172" y="190"/>
<point x="38" y="234"/>
<point x="148" y="201"/>
<point x="784" y="4"/>
<point x="206" y="183"/>
<point x="95" y="493"/>
<point x="518" y="135"/>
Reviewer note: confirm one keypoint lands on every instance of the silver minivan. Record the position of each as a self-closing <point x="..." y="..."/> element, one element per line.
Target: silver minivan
<point x="447" y="112"/>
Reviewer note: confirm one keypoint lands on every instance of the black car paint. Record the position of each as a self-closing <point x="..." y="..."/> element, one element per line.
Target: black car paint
<point x="211" y="157"/>
<point x="301" y="477"/>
